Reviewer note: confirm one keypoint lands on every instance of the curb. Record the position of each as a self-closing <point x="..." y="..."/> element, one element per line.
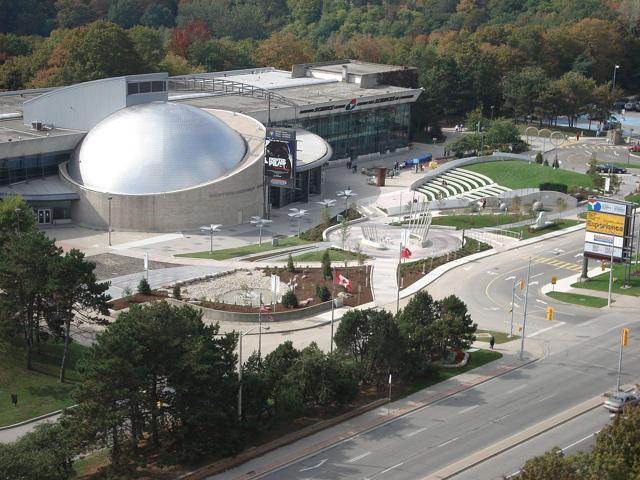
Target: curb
<point x="34" y="419"/>
<point x="517" y="439"/>
<point x="327" y="444"/>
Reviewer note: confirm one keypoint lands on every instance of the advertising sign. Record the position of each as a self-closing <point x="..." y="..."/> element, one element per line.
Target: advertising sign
<point x="607" y="230"/>
<point x="605" y="223"/>
<point x="280" y="157"/>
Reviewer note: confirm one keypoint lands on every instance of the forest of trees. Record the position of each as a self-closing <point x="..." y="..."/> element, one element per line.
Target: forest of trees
<point x="515" y="55"/>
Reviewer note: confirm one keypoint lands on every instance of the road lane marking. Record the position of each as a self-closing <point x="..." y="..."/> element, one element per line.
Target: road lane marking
<point x="547" y="397"/>
<point x="512" y="277"/>
<point x="541" y="301"/>
<point x="447" y="442"/>
<point x="579" y="441"/>
<point x="578" y="255"/>
<point x="559" y="324"/>
<point x="534" y="283"/>
<point x="322" y="462"/>
<point x="516" y="389"/>
<point x="384" y="471"/>
<point x="473" y="407"/>
<point x="359" y="457"/>
<point x="502" y="417"/>
<point x="536" y="275"/>
<point x="416" y="432"/>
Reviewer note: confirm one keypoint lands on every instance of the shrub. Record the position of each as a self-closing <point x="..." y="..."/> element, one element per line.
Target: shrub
<point x="323" y="293"/>
<point x="291" y="267"/>
<point x="554" y="187"/>
<point x="539" y="158"/>
<point x="143" y="287"/>
<point x="126" y="293"/>
<point x="326" y="265"/>
<point x="545" y="163"/>
<point x="177" y="292"/>
<point x="290" y="300"/>
<point x="556" y="163"/>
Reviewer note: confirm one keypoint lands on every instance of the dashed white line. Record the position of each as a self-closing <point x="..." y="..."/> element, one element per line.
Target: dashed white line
<point x="384" y="471"/>
<point x="536" y="275"/>
<point x="547" y="397"/>
<point x="579" y="441"/>
<point x="447" y="442"/>
<point x="416" y="432"/>
<point x="359" y="457"/>
<point x="559" y="324"/>
<point x="541" y="301"/>
<point x="468" y="409"/>
<point x="516" y="389"/>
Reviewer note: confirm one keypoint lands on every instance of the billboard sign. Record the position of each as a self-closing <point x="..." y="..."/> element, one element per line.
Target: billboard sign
<point x="280" y="157"/>
<point x="608" y="230"/>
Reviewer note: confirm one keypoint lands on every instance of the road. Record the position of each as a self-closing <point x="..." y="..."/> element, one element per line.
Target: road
<point x="578" y="361"/>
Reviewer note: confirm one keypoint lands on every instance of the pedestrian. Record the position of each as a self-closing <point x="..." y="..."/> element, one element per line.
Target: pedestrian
<point x="416" y="168"/>
<point x="484" y="203"/>
<point x="349" y="164"/>
<point x="355" y="168"/>
<point x="457" y="128"/>
<point x="492" y="342"/>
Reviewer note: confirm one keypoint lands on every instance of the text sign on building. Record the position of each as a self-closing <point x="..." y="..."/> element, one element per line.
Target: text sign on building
<point x="608" y="230"/>
<point x="280" y="157"/>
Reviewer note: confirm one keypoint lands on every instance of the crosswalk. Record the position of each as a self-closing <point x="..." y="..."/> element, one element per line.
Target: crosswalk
<point x="594" y="148"/>
<point x="559" y="264"/>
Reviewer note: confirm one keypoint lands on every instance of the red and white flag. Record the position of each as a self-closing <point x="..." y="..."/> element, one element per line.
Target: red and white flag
<point x="339" y="279"/>
<point x="405" y="253"/>
<point x="264" y="308"/>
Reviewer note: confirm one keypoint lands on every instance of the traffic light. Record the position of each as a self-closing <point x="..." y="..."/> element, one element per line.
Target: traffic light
<point x="521" y="284"/>
<point x="625" y="337"/>
<point x="549" y="312"/>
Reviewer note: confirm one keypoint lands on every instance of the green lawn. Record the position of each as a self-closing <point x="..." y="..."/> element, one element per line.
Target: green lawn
<point x="601" y="282"/>
<point x="577" y="299"/>
<point x="245" y="249"/>
<point x="559" y="225"/>
<point x="477" y="221"/>
<point x="38" y="390"/>
<point x="518" y="174"/>
<point x="635" y="198"/>
<point x="476" y="359"/>
<point x="336" y="255"/>
<point x="500" y="337"/>
<point x="89" y="464"/>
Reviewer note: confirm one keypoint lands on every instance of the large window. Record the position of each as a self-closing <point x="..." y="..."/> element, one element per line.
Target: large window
<point x="23" y="168"/>
<point x="133" y="88"/>
<point x="362" y="132"/>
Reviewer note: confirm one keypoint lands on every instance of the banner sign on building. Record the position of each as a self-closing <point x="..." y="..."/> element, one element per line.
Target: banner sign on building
<point x="608" y="230"/>
<point x="280" y="157"/>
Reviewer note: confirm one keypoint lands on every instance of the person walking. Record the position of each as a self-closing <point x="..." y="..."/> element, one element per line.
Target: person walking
<point x="492" y="342"/>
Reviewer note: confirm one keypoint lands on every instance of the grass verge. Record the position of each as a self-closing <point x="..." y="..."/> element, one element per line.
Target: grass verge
<point x="38" y="390"/>
<point x="245" y="249"/>
<point x="518" y="174"/>
<point x="500" y="337"/>
<point x="91" y="463"/>
<point x="335" y="255"/>
<point x="559" y="225"/>
<point x="476" y="359"/>
<point x="635" y="198"/>
<point x="601" y="282"/>
<point x="579" y="299"/>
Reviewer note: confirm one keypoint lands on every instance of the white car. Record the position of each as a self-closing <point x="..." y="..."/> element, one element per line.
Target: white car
<point x="617" y="401"/>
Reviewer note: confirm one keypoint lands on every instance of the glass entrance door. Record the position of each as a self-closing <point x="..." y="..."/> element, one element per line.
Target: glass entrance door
<point x="44" y="216"/>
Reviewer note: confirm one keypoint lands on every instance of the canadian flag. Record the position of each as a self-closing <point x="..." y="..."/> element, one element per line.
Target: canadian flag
<point x="264" y="308"/>
<point x="339" y="279"/>
<point x="405" y="253"/>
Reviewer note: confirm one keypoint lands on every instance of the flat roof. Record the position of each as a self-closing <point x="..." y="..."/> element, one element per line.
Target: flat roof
<point x="15" y="130"/>
<point x="357" y="68"/>
<point x="48" y="188"/>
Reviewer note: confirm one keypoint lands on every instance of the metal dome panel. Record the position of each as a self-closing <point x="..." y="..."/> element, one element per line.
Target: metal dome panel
<point x="156" y="147"/>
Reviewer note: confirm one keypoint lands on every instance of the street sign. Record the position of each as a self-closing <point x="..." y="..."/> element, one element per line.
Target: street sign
<point x="554" y="280"/>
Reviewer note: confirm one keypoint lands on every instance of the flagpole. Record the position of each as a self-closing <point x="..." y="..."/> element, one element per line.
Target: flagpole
<point x="333" y="305"/>
<point x="398" y="275"/>
<point x="260" y="329"/>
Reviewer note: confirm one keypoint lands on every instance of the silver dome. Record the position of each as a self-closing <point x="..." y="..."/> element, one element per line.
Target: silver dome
<point x="156" y="147"/>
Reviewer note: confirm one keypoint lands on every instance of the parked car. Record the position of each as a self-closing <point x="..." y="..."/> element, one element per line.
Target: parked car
<point x="629" y="106"/>
<point x="616" y="402"/>
<point x="609" y="168"/>
<point x="635" y="148"/>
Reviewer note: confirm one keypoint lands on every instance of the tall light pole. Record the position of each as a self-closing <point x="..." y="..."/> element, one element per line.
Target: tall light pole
<point x="298" y="213"/>
<point x="260" y="328"/>
<point x="346" y="194"/>
<point x="18" y="210"/>
<point x="109" y="198"/>
<point x="524" y="317"/>
<point x="327" y="203"/>
<point x="615" y="69"/>
<point x="513" y="297"/>
<point x="260" y="222"/>
<point x="610" y="276"/>
<point x="492" y="107"/>
<point x="624" y="339"/>
<point x="211" y="229"/>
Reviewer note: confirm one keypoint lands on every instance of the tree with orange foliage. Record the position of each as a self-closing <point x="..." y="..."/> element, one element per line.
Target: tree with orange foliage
<point x="183" y="37"/>
<point x="282" y="50"/>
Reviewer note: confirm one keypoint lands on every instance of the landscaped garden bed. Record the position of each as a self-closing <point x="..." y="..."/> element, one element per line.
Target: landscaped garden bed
<point x="136" y="298"/>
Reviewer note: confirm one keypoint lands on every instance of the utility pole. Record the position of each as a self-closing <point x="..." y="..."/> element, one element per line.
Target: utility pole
<point x="624" y="340"/>
<point x="524" y="317"/>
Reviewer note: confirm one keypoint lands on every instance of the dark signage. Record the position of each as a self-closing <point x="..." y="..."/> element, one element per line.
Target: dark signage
<point x="355" y="103"/>
<point x="280" y="157"/>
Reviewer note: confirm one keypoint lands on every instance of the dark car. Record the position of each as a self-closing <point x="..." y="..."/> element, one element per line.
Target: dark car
<point x="609" y="168"/>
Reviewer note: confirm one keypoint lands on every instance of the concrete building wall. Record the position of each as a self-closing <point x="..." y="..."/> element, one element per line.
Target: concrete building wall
<point x="84" y="105"/>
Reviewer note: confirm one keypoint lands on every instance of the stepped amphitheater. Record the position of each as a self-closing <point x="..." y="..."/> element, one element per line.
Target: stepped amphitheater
<point x="460" y="183"/>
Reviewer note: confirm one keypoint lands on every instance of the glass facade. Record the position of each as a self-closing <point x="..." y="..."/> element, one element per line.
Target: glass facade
<point x="361" y="132"/>
<point x="18" y="169"/>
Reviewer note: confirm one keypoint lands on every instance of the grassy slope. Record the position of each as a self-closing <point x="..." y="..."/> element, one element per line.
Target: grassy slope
<point x="245" y="249"/>
<point x="601" y="282"/>
<point x="39" y="391"/>
<point x="635" y="198"/>
<point x="559" y="225"/>
<point x="577" y="299"/>
<point x="518" y="174"/>
<point x="335" y="255"/>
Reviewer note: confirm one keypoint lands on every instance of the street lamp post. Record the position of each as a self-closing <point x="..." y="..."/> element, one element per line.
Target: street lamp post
<point x="260" y="222"/>
<point x="524" y="317"/>
<point x="109" y="198"/>
<point x="346" y="194"/>
<point x="18" y="210"/>
<point x="260" y="328"/>
<point x="610" y="277"/>
<point x="492" y="107"/>
<point x="298" y="214"/>
<point x="513" y="297"/>
<point x="241" y="335"/>
<point x="615" y="69"/>
<point x="211" y="229"/>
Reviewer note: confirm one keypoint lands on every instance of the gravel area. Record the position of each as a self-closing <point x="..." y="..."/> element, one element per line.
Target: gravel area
<point x="109" y="265"/>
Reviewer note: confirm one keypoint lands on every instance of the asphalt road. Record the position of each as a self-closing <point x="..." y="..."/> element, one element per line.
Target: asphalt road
<point x="573" y="436"/>
<point x="578" y="361"/>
